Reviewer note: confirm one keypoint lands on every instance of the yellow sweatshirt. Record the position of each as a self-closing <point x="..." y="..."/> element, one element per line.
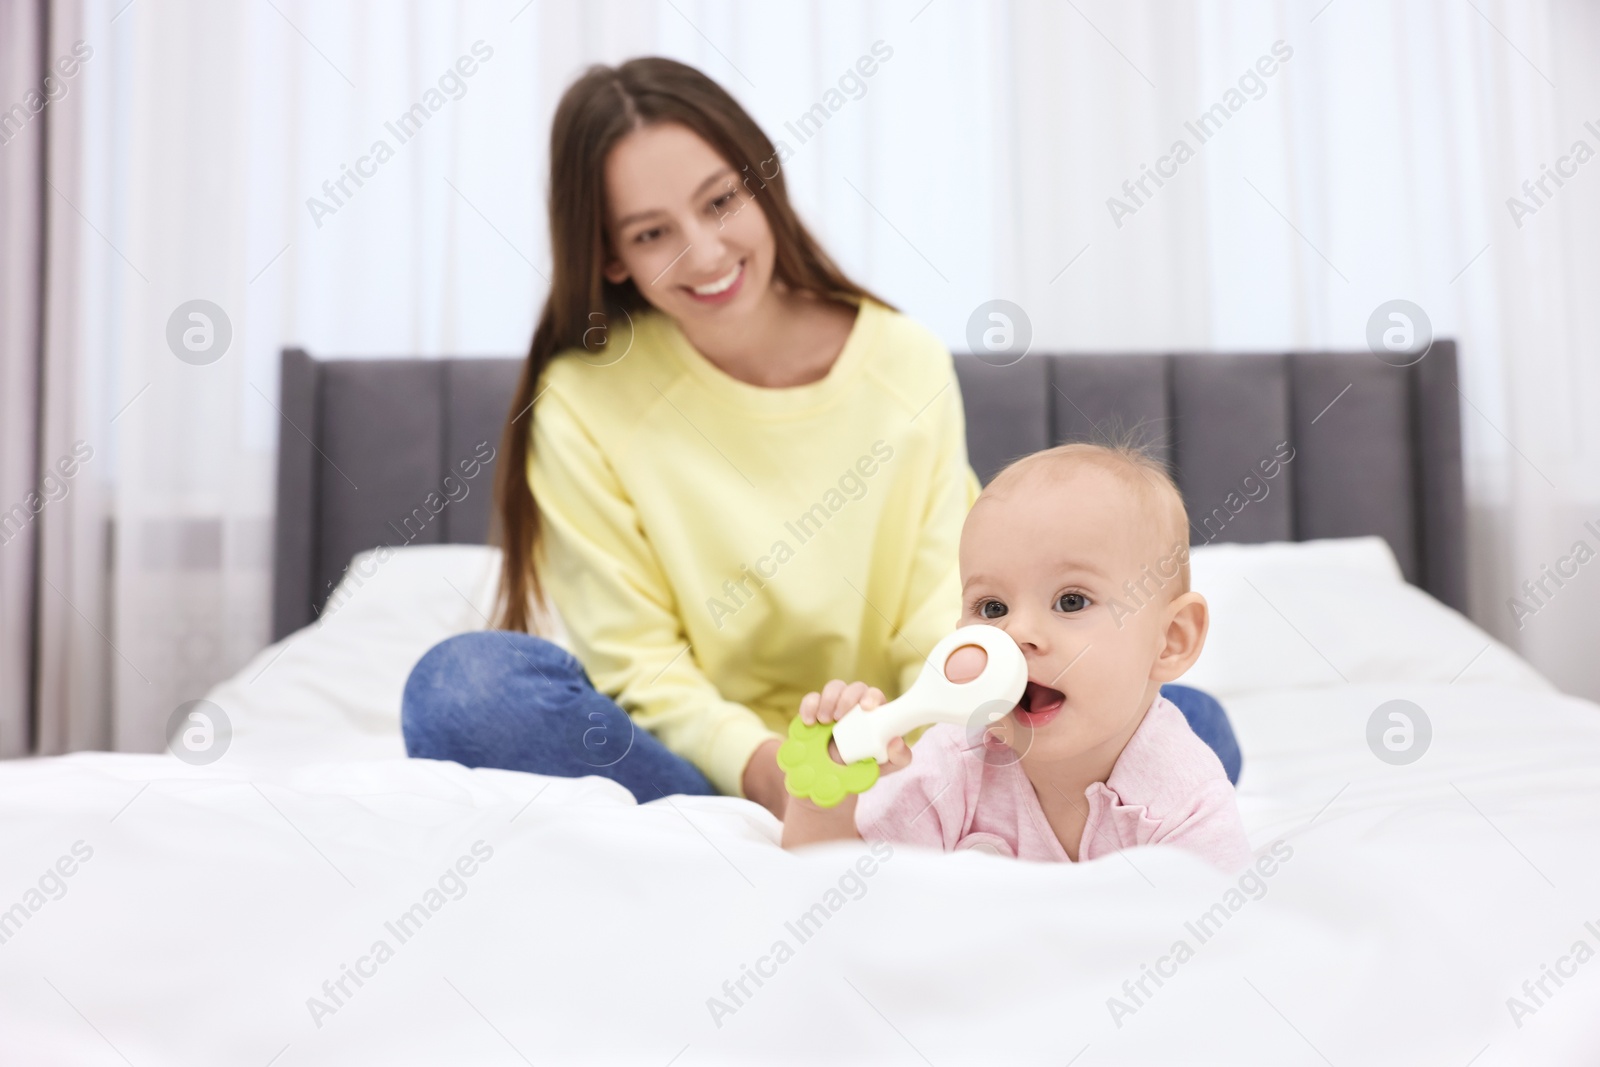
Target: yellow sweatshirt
<point x="717" y="549"/>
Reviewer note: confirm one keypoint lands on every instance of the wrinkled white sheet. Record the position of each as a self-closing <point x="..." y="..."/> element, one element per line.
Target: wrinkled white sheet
<point x="217" y="901"/>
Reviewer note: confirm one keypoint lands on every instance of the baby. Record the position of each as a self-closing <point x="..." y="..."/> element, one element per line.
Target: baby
<point x="1081" y="554"/>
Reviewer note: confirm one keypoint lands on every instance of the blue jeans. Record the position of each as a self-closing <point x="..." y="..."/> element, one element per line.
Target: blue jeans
<point x="496" y="698"/>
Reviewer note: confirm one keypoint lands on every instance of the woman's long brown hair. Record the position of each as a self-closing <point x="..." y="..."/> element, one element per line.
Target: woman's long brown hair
<point x="597" y="111"/>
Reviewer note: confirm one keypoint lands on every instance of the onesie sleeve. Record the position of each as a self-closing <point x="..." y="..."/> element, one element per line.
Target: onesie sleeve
<point x="608" y="585"/>
<point x="1212" y="827"/>
<point x="924" y="804"/>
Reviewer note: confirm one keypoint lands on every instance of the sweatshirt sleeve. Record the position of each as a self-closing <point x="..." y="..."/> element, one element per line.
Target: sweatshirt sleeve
<point x="619" y="611"/>
<point x="933" y="593"/>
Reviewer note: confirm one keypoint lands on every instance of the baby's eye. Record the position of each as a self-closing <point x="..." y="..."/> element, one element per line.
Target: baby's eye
<point x="1072" y="602"/>
<point x="984" y="611"/>
<point x="646" y="236"/>
<point x="723" y="199"/>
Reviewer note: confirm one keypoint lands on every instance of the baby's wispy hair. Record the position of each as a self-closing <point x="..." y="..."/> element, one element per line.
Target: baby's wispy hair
<point x="1126" y="455"/>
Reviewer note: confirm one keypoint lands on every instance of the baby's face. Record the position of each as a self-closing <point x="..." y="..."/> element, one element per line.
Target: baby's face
<point x="1046" y="560"/>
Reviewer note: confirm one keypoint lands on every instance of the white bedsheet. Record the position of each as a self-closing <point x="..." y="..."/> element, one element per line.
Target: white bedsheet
<point x="216" y="902"/>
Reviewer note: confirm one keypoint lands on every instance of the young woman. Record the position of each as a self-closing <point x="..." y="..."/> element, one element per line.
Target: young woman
<point x="735" y="472"/>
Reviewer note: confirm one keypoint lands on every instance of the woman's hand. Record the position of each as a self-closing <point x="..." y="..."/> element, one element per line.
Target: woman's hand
<point x="763" y="778"/>
<point x="838" y="699"/>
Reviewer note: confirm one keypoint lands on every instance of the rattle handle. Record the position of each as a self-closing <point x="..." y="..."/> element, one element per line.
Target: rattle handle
<point x="933" y="698"/>
<point x="867" y="731"/>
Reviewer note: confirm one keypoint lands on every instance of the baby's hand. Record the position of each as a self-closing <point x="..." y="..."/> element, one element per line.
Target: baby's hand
<point x="839" y="699"/>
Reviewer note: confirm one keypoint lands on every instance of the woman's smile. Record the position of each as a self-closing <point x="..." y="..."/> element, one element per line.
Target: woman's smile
<point x="722" y="289"/>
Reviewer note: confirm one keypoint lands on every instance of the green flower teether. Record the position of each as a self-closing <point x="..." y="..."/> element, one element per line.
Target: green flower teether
<point x="810" y="772"/>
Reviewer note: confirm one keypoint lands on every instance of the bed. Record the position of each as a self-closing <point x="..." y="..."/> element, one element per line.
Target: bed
<point x="1421" y="892"/>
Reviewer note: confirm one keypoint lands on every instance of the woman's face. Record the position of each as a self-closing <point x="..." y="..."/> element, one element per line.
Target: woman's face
<point x="683" y="226"/>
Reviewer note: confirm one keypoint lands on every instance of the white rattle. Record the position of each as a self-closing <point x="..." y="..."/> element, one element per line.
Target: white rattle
<point x="862" y="736"/>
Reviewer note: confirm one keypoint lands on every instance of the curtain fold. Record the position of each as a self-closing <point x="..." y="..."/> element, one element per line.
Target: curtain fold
<point x="78" y="642"/>
<point x="1338" y="157"/>
<point x="23" y="98"/>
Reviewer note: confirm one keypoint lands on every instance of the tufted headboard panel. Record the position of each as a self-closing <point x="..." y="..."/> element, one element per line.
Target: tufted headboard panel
<point x="1360" y="448"/>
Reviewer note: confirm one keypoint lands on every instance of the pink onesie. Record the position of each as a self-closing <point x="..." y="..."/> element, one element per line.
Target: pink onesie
<point x="1167" y="786"/>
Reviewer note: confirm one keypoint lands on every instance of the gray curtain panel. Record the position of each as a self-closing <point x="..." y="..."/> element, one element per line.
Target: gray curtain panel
<point x="22" y="153"/>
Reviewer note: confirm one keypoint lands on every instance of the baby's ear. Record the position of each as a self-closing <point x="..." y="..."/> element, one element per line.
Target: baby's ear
<point x="1188" y="619"/>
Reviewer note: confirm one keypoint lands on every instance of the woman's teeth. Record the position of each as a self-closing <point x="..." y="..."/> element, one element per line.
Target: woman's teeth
<point x="721" y="284"/>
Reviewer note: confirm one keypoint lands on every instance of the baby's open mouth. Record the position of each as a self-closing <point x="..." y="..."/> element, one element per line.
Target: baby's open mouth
<point x="1039" y="704"/>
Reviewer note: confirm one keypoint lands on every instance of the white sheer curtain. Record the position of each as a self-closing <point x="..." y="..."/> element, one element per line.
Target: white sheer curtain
<point x="1376" y="164"/>
<point x="975" y="162"/>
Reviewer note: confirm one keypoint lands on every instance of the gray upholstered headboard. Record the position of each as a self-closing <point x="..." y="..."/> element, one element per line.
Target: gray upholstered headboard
<point x="390" y="451"/>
